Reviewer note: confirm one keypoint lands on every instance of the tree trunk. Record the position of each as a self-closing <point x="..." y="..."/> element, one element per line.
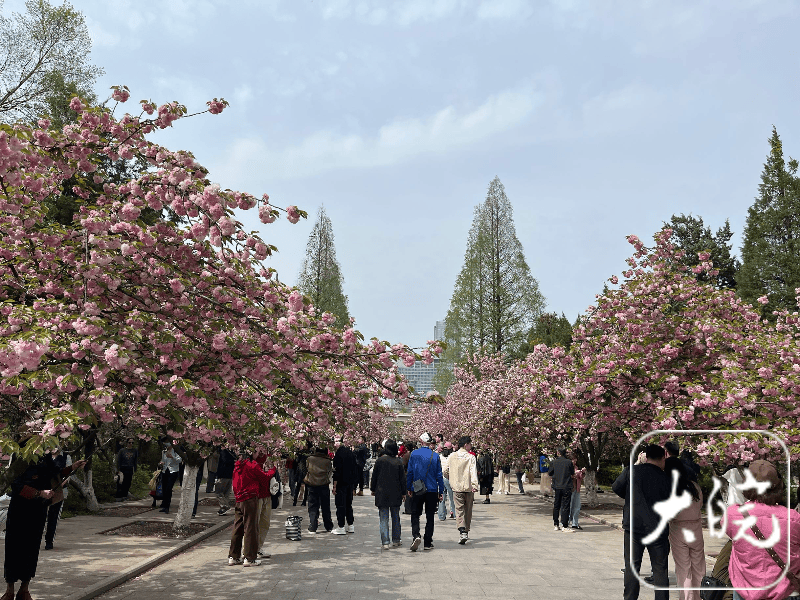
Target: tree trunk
<point x="590" y="482"/>
<point x="184" y="517"/>
<point x="86" y="490"/>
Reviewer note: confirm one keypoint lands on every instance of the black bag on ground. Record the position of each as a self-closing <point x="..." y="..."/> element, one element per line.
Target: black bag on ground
<point x="711" y="594"/>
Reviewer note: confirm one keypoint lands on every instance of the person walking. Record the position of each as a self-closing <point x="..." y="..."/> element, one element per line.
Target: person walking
<point x="127" y="459"/>
<point x="318" y="476"/>
<point x="170" y="466"/>
<point x="686" y="531"/>
<point x="224" y="485"/>
<point x="544" y="475"/>
<point x="447" y="450"/>
<point x="61" y="462"/>
<point x="248" y="480"/>
<point x="561" y="470"/>
<point x="463" y="475"/>
<point x="650" y="485"/>
<point x="301" y="469"/>
<point x="575" y="501"/>
<point x="388" y="485"/>
<point x="31" y="490"/>
<point x="362" y="455"/>
<point x="346" y="476"/>
<point x="505" y="479"/>
<point x="265" y="488"/>
<point x="213" y="463"/>
<point x="486" y="474"/>
<point x="519" y="470"/>
<point x="424" y="466"/>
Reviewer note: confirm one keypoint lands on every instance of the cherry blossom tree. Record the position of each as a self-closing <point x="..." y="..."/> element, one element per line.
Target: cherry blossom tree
<point x="166" y="326"/>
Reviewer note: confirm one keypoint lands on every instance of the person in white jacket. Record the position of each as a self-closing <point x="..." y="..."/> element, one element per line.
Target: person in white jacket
<point x="463" y="476"/>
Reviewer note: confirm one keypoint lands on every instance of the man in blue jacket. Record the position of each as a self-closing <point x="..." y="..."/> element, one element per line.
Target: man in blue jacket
<point x="424" y="465"/>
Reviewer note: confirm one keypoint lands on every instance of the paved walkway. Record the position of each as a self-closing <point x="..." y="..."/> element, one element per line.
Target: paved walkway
<point x="514" y="553"/>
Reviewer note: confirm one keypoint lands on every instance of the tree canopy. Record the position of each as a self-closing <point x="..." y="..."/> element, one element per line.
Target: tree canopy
<point x="321" y="275"/>
<point x="771" y="239"/>
<point x="40" y="50"/>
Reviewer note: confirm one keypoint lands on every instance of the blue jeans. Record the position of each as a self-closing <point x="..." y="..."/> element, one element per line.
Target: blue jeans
<point x="575" y="508"/>
<point x="384" y="512"/>
<point x="448" y="491"/>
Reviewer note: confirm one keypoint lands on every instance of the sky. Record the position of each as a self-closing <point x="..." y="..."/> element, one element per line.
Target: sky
<point x="601" y="119"/>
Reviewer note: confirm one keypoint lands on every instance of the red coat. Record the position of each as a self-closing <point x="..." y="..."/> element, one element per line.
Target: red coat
<point x="248" y="479"/>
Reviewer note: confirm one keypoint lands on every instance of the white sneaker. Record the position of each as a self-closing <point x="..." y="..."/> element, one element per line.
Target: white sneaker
<point x="385" y="546"/>
<point x="556" y="527"/>
<point x="255" y="563"/>
<point x="350" y="529"/>
<point x="339" y="531"/>
<point x="232" y="562"/>
<point x="567" y="530"/>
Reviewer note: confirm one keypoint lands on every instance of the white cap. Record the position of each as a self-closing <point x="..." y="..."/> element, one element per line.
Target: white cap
<point x="426" y="438"/>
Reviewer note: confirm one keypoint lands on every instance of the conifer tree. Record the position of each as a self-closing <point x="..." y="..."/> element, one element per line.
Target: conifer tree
<point x="693" y="237"/>
<point x="496" y="299"/>
<point x="771" y="244"/>
<point x="321" y="275"/>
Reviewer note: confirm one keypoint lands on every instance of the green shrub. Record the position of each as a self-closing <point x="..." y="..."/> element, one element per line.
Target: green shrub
<point x="607" y="474"/>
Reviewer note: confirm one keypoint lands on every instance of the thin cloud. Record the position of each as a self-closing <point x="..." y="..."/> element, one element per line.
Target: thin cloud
<point x="449" y="129"/>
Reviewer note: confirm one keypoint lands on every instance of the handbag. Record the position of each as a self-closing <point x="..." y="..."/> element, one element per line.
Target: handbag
<point x="418" y="485"/>
<point x="711" y="582"/>
<point x="793" y="579"/>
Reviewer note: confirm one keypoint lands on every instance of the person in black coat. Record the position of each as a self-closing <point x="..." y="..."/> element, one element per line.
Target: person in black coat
<point x="388" y="485"/>
<point x="346" y="474"/>
<point x="562" y="470"/>
<point x="31" y="493"/>
<point x="486" y="473"/>
<point x="650" y="485"/>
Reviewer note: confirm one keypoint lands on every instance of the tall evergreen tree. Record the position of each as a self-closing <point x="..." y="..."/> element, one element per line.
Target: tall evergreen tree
<point x="771" y="244"/>
<point x="321" y="276"/>
<point x="691" y="235"/>
<point x="496" y="299"/>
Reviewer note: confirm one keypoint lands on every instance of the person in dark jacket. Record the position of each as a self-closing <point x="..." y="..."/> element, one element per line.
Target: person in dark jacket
<point x="650" y="485"/>
<point x="31" y="492"/>
<point x="346" y="475"/>
<point x="485" y="467"/>
<point x="362" y="455"/>
<point x="389" y="487"/>
<point x="424" y="465"/>
<point x="562" y="470"/>
<point x="127" y="459"/>
<point x="300" y="471"/>
<point x="224" y="485"/>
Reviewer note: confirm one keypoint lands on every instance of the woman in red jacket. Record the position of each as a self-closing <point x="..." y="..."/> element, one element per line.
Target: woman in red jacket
<point x="248" y="479"/>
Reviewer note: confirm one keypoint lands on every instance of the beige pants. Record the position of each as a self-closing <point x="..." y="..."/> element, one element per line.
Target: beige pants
<point x="464" y="501"/>
<point x="505" y="482"/>
<point x="264" y="516"/>
<point x="690" y="560"/>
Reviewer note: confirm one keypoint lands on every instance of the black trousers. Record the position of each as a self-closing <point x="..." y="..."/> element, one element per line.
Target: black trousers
<point x="659" y="553"/>
<point x="319" y="500"/>
<point x="167" y="483"/>
<point x="430" y="502"/>
<point x="561" y="503"/>
<point x="125" y="485"/>
<point x="24" y="528"/>
<point x="344" y="504"/>
<point x="53" y="514"/>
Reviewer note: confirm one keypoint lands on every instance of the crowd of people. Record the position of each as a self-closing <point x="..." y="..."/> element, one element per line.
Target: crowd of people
<point x="662" y="514"/>
<point x="440" y="479"/>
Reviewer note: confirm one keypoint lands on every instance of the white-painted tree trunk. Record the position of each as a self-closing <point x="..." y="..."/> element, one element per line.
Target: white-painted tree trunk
<point x="590" y="482"/>
<point x="184" y="517"/>
<point x="86" y="489"/>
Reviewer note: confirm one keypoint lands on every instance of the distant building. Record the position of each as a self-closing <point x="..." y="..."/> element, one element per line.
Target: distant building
<point x="438" y="331"/>
<point x="420" y="376"/>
